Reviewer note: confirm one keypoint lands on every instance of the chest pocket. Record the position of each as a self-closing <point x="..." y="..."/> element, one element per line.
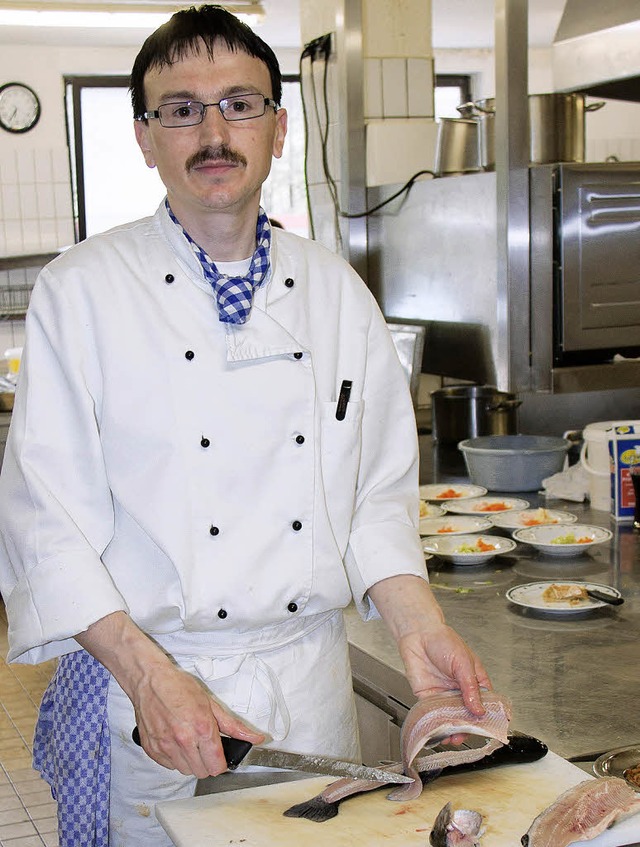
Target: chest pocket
<point x="341" y="445"/>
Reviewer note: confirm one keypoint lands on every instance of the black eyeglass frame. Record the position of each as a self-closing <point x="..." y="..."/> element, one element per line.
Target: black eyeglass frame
<point x="221" y="104"/>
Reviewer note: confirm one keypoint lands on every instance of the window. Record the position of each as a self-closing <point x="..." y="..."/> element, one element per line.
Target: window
<point x="111" y="183"/>
<point x="450" y="92"/>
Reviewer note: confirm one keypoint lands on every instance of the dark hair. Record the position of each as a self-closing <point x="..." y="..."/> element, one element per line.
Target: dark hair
<point x="182" y="34"/>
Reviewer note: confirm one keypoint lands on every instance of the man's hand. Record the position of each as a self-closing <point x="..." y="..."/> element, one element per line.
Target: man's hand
<point x="435" y="657"/>
<point x="178" y="718"/>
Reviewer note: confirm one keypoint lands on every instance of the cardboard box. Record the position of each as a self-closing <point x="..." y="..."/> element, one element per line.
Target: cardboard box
<point x="624" y="452"/>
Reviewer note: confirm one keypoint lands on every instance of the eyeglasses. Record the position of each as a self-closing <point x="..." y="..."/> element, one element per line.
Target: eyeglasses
<point x="191" y="112"/>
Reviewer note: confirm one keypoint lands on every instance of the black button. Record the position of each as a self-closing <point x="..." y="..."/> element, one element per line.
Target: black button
<point x="297" y="355"/>
<point x="297" y="526"/>
<point x="169" y="278"/>
<point x="213" y="530"/>
<point x="292" y="607"/>
<point x="299" y="439"/>
<point x="205" y="442"/>
<point x="222" y="613"/>
<point x="189" y="355"/>
<point x="289" y="282"/>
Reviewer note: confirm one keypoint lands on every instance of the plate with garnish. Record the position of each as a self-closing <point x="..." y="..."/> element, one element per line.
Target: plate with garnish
<point x="567" y="541"/>
<point x="486" y="505"/>
<point x="531" y="517"/>
<point x="454" y="525"/>
<point x="443" y="491"/>
<point x="467" y="549"/>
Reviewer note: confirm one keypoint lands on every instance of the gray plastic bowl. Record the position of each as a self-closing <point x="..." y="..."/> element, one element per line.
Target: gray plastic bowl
<point x="513" y="462"/>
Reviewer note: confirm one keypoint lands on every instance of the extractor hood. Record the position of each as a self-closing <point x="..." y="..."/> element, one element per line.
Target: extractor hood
<point x="597" y="49"/>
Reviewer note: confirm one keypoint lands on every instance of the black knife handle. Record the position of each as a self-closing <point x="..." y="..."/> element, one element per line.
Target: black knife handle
<point x="605" y="597"/>
<point x="234" y="749"/>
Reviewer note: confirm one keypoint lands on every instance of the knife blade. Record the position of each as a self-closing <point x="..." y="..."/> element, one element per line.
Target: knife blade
<point x="237" y="751"/>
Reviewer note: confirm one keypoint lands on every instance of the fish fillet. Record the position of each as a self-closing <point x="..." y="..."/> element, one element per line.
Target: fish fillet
<point x="437" y="717"/>
<point x="582" y="812"/>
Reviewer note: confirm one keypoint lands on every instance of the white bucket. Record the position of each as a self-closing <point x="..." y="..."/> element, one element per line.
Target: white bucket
<point x="594" y="458"/>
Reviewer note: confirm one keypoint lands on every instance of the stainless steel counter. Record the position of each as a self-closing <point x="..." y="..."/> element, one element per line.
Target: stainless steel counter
<point x="574" y="681"/>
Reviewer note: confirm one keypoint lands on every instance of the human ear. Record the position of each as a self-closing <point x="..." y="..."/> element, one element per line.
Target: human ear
<point x="141" y="129"/>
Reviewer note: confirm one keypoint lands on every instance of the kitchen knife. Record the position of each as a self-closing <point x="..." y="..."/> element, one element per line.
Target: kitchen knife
<point x="237" y="751"/>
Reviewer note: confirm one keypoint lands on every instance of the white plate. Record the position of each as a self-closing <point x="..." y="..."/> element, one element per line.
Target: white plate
<point x="448" y="548"/>
<point x="453" y="491"/>
<point x="478" y="505"/>
<point x="538" y="517"/>
<point x="530" y="597"/>
<point x="542" y="537"/>
<point x="453" y="525"/>
<point x="429" y="510"/>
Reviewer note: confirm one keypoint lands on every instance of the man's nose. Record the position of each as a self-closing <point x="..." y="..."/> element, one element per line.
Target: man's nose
<point x="213" y="125"/>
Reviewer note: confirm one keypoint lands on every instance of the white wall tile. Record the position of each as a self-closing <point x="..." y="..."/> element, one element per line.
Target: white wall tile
<point x="420" y="83"/>
<point x="60" y="164"/>
<point x="4" y="278"/>
<point x="415" y="137"/>
<point x="13" y="236"/>
<point x="17" y="276"/>
<point x="394" y="88"/>
<point x="6" y="337"/>
<point x="31" y="235"/>
<point x="48" y="234"/>
<point x="62" y="200"/>
<point x="26" y="163"/>
<point x="8" y="169"/>
<point x="65" y="233"/>
<point x="10" y="202"/>
<point x="43" y="167"/>
<point x="28" y="201"/>
<point x="373" y="88"/>
<point x="46" y="200"/>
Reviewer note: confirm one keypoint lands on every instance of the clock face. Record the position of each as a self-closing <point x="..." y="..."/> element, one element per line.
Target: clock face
<point x="19" y="107"/>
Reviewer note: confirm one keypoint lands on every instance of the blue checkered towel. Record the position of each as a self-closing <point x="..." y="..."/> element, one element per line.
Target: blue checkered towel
<point x="72" y="749"/>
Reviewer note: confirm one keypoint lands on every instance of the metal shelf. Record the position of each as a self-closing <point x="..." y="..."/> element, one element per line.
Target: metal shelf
<point x="14" y="300"/>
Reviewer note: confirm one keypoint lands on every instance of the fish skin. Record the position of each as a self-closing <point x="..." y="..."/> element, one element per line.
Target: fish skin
<point x="582" y="813"/>
<point x="439" y="716"/>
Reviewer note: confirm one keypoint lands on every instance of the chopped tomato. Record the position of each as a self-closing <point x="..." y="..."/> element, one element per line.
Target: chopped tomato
<point x="483" y="546"/>
<point x="585" y="540"/>
<point x="531" y="522"/>
<point x="492" y="507"/>
<point x="446" y="529"/>
<point x="448" y="494"/>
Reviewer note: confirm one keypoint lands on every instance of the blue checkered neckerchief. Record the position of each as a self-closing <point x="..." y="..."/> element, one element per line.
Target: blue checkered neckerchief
<point x="234" y="294"/>
<point x="72" y="749"/>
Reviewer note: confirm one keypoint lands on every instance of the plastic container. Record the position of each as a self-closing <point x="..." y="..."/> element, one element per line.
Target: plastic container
<point x="513" y="462"/>
<point x="594" y="458"/>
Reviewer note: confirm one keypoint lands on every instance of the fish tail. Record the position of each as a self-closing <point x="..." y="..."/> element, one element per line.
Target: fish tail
<point x="316" y="809"/>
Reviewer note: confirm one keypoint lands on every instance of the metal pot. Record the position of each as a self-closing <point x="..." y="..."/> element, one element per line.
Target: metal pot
<point x="457" y="147"/>
<point x="557" y="127"/>
<point x="466" y="411"/>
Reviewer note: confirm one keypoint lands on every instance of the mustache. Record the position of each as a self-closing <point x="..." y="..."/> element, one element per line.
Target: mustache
<point x="221" y="153"/>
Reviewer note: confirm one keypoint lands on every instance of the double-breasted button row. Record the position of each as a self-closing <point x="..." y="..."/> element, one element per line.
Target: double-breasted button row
<point x="291" y="607"/>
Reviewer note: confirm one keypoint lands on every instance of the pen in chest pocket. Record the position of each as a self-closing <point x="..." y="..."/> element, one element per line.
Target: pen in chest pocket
<point x="343" y="399"/>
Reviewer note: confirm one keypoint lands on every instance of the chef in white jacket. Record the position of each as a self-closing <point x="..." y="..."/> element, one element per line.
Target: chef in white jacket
<point x="212" y="453"/>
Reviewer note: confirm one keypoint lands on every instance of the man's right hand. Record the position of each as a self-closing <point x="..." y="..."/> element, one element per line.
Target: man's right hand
<point x="178" y="718"/>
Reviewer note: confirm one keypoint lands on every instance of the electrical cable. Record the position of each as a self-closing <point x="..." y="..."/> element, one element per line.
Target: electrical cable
<point x="312" y="231"/>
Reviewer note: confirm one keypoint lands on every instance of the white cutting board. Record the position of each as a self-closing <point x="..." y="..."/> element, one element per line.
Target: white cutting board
<point x="509" y="798"/>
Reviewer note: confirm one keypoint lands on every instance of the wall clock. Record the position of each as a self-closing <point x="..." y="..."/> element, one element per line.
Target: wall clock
<point x="19" y="107"/>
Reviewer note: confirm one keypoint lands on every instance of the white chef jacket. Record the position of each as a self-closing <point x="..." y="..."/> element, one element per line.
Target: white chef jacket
<point x="193" y="473"/>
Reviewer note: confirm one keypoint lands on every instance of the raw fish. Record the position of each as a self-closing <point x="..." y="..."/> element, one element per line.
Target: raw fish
<point x="582" y="812"/>
<point x="459" y="828"/>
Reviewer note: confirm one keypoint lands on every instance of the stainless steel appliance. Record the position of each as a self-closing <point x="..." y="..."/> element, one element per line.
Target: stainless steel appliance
<point x="593" y="242"/>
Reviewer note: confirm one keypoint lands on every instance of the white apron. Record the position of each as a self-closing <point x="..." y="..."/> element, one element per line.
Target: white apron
<point x="292" y="681"/>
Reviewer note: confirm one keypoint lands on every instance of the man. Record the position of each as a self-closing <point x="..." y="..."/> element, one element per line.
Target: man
<point x="212" y="452"/>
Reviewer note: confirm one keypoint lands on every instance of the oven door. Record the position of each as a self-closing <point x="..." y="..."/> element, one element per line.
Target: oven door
<point x="596" y="262"/>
